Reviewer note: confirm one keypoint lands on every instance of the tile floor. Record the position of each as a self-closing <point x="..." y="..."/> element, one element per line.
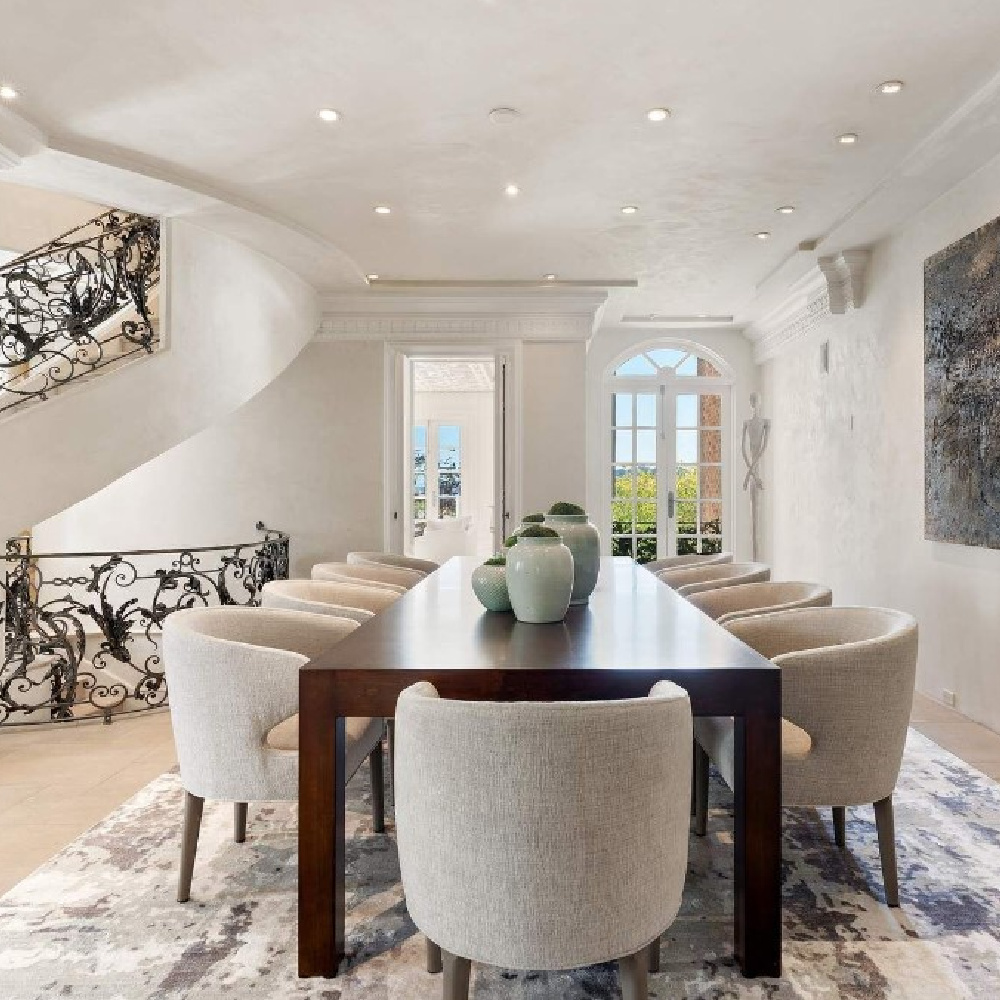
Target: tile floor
<point x="56" y="783"/>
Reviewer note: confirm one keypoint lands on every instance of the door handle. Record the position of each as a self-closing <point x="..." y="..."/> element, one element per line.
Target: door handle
<point x="670" y="505"/>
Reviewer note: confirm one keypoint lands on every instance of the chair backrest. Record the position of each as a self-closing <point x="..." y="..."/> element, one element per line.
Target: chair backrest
<point x="726" y="604"/>
<point x="233" y="675"/>
<point x="538" y="835"/>
<point x="423" y="566"/>
<point x="695" y="579"/>
<point x="388" y="577"/>
<point x="692" y="559"/>
<point x="326" y="597"/>
<point x="847" y="677"/>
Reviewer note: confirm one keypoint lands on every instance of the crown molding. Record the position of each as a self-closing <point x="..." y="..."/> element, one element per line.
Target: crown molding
<point x="19" y="139"/>
<point x="833" y="287"/>
<point x="542" y="316"/>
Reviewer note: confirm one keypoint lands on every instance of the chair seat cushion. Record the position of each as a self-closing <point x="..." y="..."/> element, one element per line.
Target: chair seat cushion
<point x="717" y="736"/>
<point x="362" y="737"/>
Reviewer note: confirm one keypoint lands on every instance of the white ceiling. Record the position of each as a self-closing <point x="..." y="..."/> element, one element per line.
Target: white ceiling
<point x="453" y="375"/>
<point x="223" y="96"/>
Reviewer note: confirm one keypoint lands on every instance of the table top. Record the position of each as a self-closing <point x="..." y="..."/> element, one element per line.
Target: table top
<point x="633" y="622"/>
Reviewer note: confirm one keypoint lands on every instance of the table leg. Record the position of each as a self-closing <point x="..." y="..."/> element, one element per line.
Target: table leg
<point x="321" y="829"/>
<point x="757" y="847"/>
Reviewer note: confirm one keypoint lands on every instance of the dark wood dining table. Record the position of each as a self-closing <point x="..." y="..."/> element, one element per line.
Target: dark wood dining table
<point x="634" y="632"/>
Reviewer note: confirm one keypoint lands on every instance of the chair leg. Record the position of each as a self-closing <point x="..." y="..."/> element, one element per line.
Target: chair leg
<point x="390" y="727"/>
<point x="378" y="789"/>
<point x="433" y="957"/>
<point x="654" y="955"/>
<point x="886" y="826"/>
<point x="456" y="977"/>
<point x="240" y="822"/>
<point x="701" y="791"/>
<point x="840" y="825"/>
<point x="193" y="806"/>
<point x="632" y="972"/>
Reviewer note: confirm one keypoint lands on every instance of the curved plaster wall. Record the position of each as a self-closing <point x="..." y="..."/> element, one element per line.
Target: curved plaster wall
<point x="234" y="320"/>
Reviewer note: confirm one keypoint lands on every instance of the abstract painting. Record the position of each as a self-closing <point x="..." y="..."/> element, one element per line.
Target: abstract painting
<point x="962" y="390"/>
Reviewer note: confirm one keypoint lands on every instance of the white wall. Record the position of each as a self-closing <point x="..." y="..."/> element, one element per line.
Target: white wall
<point x="236" y="319"/>
<point x="847" y="502"/>
<point x="731" y="346"/>
<point x="473" y="411"/>
<point x="305" y="455"/>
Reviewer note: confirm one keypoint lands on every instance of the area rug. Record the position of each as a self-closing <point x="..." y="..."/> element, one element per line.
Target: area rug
<point x="99" y="920"/>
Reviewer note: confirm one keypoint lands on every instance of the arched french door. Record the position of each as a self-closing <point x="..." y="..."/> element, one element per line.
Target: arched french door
<point x="668" y="478"/>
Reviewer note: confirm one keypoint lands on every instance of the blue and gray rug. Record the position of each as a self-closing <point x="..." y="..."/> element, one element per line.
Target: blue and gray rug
<point x="99" y="921"/>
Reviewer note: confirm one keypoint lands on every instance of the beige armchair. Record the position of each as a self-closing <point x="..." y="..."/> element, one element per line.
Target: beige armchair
<point x="423" y="566"/>
<point x="694" y="579"/>
<point x="387" y="577"/>
<point x="326" y="597"/>
<point x="847" y="678"/>
<point x="726" y="604"/>
<point x="603" y="790"/>
<point x="234" y="694"/>
<point x="686" y="561"/>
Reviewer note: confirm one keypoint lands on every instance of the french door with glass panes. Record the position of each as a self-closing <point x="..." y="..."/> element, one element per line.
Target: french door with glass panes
<point x="436" y="472"/>
<point x="669" y="453"/>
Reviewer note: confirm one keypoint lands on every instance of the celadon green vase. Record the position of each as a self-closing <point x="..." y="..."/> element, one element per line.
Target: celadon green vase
<point x="539" y="579"/>
<point x="584" y="541"/>
<point x="489" y="583"/>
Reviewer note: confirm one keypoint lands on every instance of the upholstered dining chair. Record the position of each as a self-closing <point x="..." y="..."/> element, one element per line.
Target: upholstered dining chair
<point x="233" y="674"/>
<point x="694" y="579"/>
<point x="424" y="566"/>
<point x="326" y="597"/>
<point x="686" y="561"/>
<point x="541" y="835"/>
<point x="726" y="604"/>
<point x="847" y="677"/>
<point x="387" y="577"/>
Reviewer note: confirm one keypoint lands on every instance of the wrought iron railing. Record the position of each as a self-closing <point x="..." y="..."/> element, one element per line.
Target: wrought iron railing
<point x="79" y="303"/>
<point x="82" y="630"/>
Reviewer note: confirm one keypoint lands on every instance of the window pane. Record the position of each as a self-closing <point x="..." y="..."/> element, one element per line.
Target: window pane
<point x="623" y="409"/>
<point x="645" y="550"/>
<point x="621" y="516"/>
<point x="639" y="365"/>
<point x="710" y="411"/>
<point x="711" y="518"/>
<point x="645" y="518"/>
<point x="687" y="546"/>
<point x="687" y="411"/>
<point x="706" y="367"/>
<point x="623" y="446"/>
<point x="666" y="357"/>
<point x="687" y="446"/>
<point x="448" y="507"/>
<point x="621" y="546"/>
<point x="645" y="409"/>
<point x="420" y="484"/>
<point x="686" y="513"/>
<point x="711" y="482"/>
<point x="646" y="481"/>
<point x="710" y="446"/>
<point x="419" y="510"/>
<point x="419" y="437"/>
<point x="645" y="446"/>
<point x="449" y="484"/>
<point x="709" y="546"/>
<point x="623" y="481"/>
<point x="689" y="366"/>
<point x="449" y="456"/>
<point x="687" y="482"/>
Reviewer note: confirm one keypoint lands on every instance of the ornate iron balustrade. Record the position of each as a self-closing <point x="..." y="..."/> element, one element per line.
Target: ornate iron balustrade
<point x="82" y="630"/>
<point x="78" y="304"/>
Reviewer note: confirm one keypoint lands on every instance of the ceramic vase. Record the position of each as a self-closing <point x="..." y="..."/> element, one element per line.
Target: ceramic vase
<point x="584" y="541"/>
<point x="539" y="579"/>
<point x="489" y="583"/>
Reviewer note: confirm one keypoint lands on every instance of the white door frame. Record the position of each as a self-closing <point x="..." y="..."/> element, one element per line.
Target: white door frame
<point x="396" y="445"/>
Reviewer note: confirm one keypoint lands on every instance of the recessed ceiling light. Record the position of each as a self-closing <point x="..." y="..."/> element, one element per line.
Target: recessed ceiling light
<point x="786" y="210"/>
<point x="381" y="209"/>
<point x="329" y="115"/>
<point x="512" y="190"/>
<point x="763" y="235"/>
<point x="890" y="87"/>
<point x="629" y="209"/>
<point x="658" y="114"/>
<point x="848" y="138"/>
<point x="7" y="93"/>
<point x="371" y="277"/>
<point x="504" y="116"/>
<point x="549" y="277"/>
